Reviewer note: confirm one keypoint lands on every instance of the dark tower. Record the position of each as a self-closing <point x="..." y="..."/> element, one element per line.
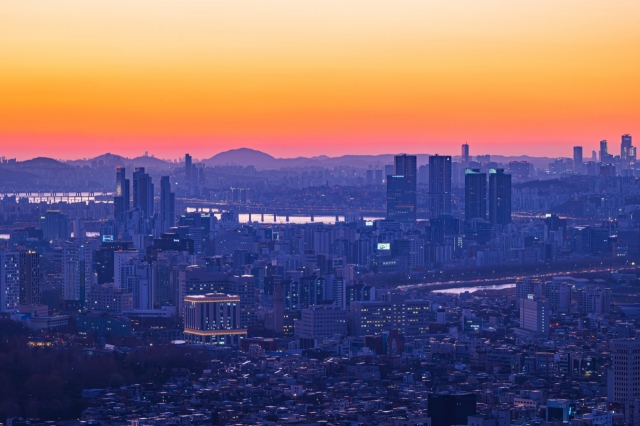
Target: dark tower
<point x="439" y="185"/>
<point x="499" y="197"/>
<point x="475" y="194"/>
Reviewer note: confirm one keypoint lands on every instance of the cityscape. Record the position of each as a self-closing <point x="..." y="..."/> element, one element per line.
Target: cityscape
<point x="319" y="213"/>
<point x="395" y="290"/>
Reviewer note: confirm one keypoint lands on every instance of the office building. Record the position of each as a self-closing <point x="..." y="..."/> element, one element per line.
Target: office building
<point x="475" y="194"/>
<point x="559" y="296"/>
<point x="104" y="259"/>
<point x="188" y="168"/>
<point x="625" y="148"/>
<point x="77" y="275"/>
<point x="213" y="319"/>
<point x="401" y="190"/>
<point x="448" y="409"/>
<point x="121" y="258"/>
<point x="372" y="317"/>
<point x="401" y="199"/>
<point x="29" y="266"/>
<point x="534" y="315"/>
<point x="244" y="286"/>
<point x="413" y="317"/>
<point x="439" y="185"/>
<point x="122" y="198"/>
<point x="577" y="159"/>
<point x="167" y="205"/>
<point x="320" y="321"/>
<point x="110" y="299"/>
<point x="623" y="378"/>
<point x="164" y="289"/>
<point x="465" y="154"/>
<point x="142" y="192"/>
<point x="406" y="165"/>
<point x="278" y="309"/>
<point x="9" y="281"/>
<point x="55" y="226"/>
<point x="604" y="152"/>
<point x="594" y="300"/>
<point x="499" y="197"/>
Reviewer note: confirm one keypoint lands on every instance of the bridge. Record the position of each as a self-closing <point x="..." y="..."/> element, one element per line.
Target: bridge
<point x="63" y="196"/>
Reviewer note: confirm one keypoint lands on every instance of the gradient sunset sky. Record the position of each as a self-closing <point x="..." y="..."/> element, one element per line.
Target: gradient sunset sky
<point x="79" y="78"/>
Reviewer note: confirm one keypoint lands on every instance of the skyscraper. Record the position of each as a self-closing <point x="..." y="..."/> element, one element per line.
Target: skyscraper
<point x="603" y="151"/>
<point x="142" y="192"/>
<point x="475" y="194"/>
<point x="625" y="147"/>
<point x="577" y="158"/>
<point x="29" y="266"/>
<point x="121" y="201"/>
<point x="188" y="167"/>
<point x="77" y="271"/>
<point x="9" y="281"/>
<point x="278" y="309"/>
<point x="465" y="153"/>
<point x="401" y="190"/>
<point x="439" y="185"/>
<point x="406" y="165"/>
<point x="55" y="225"/>
<point x="499" y="197"/>
<point x="167" y="205"/>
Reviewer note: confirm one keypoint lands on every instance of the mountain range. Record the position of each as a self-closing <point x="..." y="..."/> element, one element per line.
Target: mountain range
<point x="262" y="161"/>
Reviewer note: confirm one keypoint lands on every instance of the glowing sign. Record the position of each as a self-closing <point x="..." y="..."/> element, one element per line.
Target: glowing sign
<point x="384" y="246"/>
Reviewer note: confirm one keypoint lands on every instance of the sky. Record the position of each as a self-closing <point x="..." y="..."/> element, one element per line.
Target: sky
<point x="79" y="78"/>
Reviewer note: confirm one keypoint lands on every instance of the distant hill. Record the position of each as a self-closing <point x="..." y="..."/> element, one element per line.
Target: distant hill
<point x="243" y="157"/>
<point x="262" y="161"/>
<point x="42" y="163"/>
<point x="113" y="160"/>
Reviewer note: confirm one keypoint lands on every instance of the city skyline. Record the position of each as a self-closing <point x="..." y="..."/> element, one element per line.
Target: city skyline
<point x="314" y="79"/>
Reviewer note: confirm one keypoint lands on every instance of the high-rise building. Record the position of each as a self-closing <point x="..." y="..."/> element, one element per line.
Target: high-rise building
<point x="623" y="378"/>
<point x="319" y="321"/>
<point x="371" y="317"/>
<point x="534" y="315"/>
<point x="164" y="292"/>
<point x="559" y="296"/>
<point x="143" y="192"/>
<point x="577" y="159"/>
<point x="55" y="225"/>
<point x="447" y="409"/>
<point x="245" y="287"/>
<point x="9" y="281"/>
<point x="213" y="319"/>
<point x="475" y="194"/>
<point x="499" y="197"/>
<point x="604" y="152"/>
<point x="120" y="259"/>
<point x="401" y="199"/>
<point x="401" y="190"/>
<point x="465" y="154"/>
<point x="406" y="165"/>
<point x="625" y="148"/>
<point x="188" y="168"/>
<point x="278" y="309"/>
<point x="29" y="266"/>
<point x="77" y="275"/>
<point x="104" y="259"/>
<point x="439" y="185"/>
<point x="167" y="205"/>
<point x="122" y="199"/>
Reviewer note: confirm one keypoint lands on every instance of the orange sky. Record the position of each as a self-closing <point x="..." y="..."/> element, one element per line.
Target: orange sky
<point x="80" y="77"/>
